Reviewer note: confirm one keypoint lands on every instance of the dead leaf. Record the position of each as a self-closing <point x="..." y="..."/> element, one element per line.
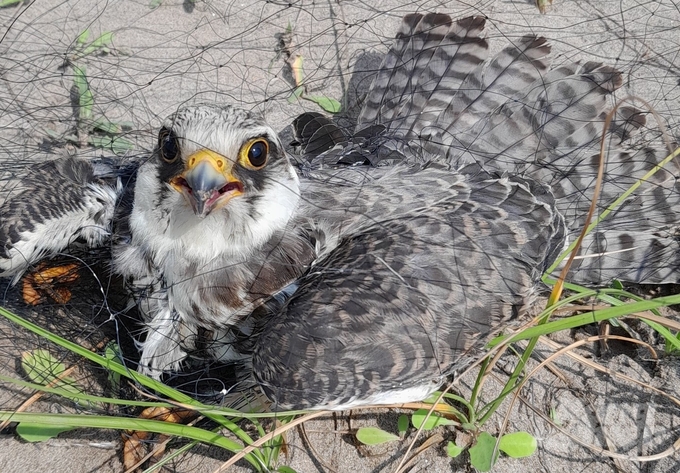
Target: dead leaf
<point x="135" y="443"/>
<point x="49" y="282"/>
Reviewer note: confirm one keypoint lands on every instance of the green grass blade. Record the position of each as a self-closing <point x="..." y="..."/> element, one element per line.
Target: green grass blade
<point x="80" y="396"/>
<point x="118" y="423"/>
<point x="82" y="37"/>
<point x="9" y="3"/>
<point x="41" y="432"/>
<point x="123" y="370"/>
<point x="85" y="98"/>
<point x="596" y="316"/>
<point x="670" y="337"/>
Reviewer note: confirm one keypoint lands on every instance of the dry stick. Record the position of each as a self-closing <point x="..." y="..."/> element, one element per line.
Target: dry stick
<point x="559" y="284"/>
<point x="595" y="448"/>
<point x="266" y="438"/>
<point x="430" y="442"/>
<point x="159" y="447"/>
<point x="602" y="369"/>
<point x="34" y="398"/>
<point x="420" y="429"/>
<point x="550" y="366"/>
<point x="647" y="315"/>
<point x="567" y="350"/>
<point x="668" y="452"/>
<point x="305" y="438"/>
<point x="497" y="351"/>
<point x="548" y="362"/>
<point x="439" y="407"/>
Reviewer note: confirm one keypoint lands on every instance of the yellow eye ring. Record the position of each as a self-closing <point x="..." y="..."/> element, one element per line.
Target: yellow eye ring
<point x="255" y="153"/>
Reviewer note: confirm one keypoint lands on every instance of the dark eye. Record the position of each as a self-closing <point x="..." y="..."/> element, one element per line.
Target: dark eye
<point x="167" y="145"/>
<point x="257" y="153"/>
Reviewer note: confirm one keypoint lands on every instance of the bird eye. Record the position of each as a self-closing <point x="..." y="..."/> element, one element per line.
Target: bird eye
<point x="256" y="153"/>
<point x="167" y="145"/>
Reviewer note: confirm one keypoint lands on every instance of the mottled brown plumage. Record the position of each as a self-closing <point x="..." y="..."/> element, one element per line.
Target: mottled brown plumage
<point x="400" y="247"/>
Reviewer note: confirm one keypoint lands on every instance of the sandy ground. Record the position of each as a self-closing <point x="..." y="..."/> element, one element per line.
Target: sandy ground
<point x="228" y="52"/>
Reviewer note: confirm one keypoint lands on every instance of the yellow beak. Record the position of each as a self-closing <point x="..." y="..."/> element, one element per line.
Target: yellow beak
<point x="207" y="183"/>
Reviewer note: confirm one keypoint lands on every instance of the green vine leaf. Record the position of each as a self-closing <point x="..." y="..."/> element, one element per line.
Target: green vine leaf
<point x="482" y="453"/>
<point x="402" y="424"/>
<point x="420" y="417"/>
<point x="328" y="104"/>
<point x="453" y="450"/>
<point x="518" y="444"/>
<point x="286" y="469"/>
<point x="297" y="93"/>
<point x="374" y="436"/>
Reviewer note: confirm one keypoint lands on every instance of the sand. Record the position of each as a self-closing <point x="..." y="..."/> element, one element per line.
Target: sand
<point x="216" y="51"/>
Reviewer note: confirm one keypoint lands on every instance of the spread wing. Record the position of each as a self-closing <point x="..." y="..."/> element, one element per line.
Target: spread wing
<point x="53" y="205"/>
<point x="438" y="97"/>
<point x="409" y="295"/>
<point x="426" y="271"/>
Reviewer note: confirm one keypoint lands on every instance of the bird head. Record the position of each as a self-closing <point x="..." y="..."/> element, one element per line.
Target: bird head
<point x="219" y="157"/>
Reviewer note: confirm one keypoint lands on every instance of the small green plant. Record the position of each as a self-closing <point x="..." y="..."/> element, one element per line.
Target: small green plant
<point x="90" y="130"/>
<point x="41" y="367"/>
<point x="9" y="3"/>
<point x="48" y="374"/>
<point x="454" y="450"/>
<point x="295" y="62"/>
<point x="543" y="5"/>
<point x="483" y="453"/>
<point x="328" y="104"/>
<point x="374" y="436"/>
<point x="99" y="45"/>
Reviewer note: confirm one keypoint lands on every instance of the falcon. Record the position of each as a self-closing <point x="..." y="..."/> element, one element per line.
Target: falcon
<point x="374" y="263"/>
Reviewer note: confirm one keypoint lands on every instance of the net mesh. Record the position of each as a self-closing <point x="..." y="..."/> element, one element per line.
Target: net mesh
<point x="97" y="78"/>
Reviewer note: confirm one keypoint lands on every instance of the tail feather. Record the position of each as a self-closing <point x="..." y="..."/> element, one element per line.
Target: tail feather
<point x="430" y="58"/>
<point x="437" y="97"/>
<point x="630" y="256"/>
<point x="491" y="85"/>
<point x="562" y="110"/>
